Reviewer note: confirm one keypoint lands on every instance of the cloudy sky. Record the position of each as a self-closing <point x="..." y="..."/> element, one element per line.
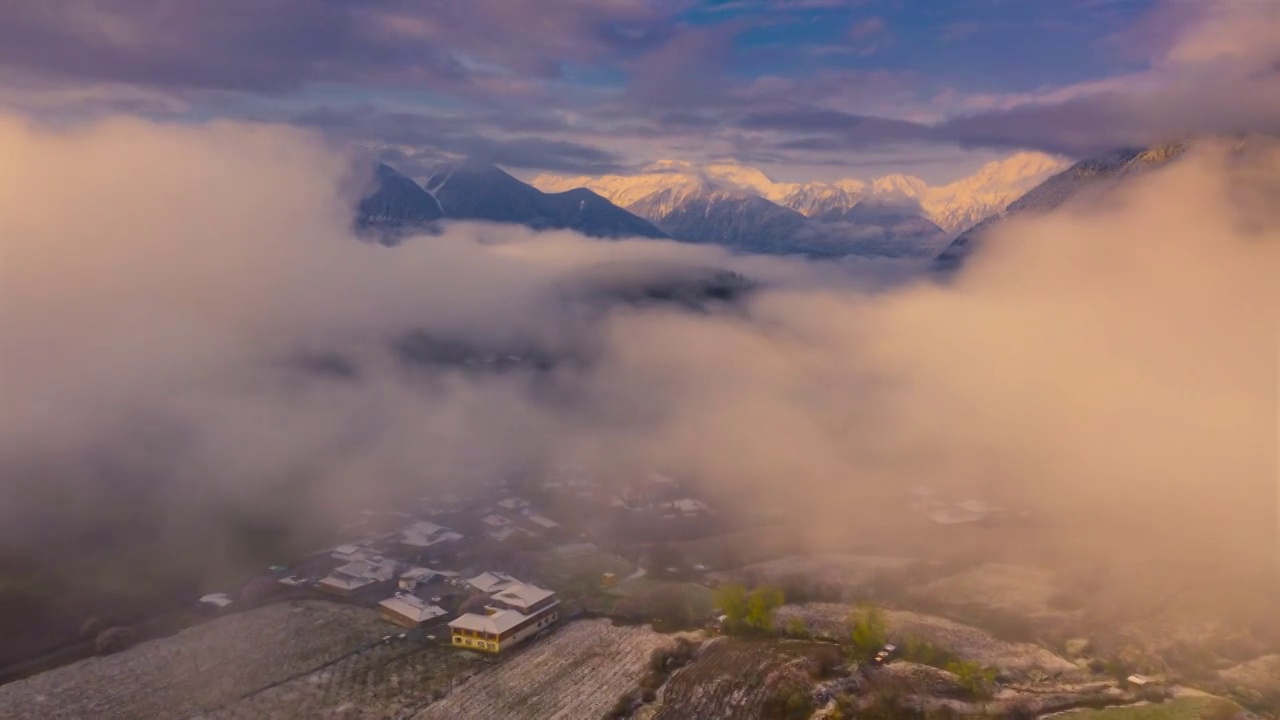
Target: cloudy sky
<point x="805" y="89"/>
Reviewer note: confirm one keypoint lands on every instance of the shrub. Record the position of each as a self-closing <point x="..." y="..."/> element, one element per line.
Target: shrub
<point x="623" y="707"/>
<point x="924" y="652"/>
<point x="659" y="658"/>
<point x="788" y="702"/>
<point x="870" y="631"/>
<point x="975" y="679"/>
<point x="1117" y="669"/>
<point x="684" y="651"/>
<point x="652" y="680"/>
<point x="827" y="662"/>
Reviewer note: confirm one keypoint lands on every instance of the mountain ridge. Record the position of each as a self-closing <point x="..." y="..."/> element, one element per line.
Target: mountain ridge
<point x="1096" y="174"/>
<point x="953" y="207"/>
<point x="469" y="190"/>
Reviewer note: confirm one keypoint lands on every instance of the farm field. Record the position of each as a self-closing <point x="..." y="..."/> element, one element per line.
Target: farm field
<point x="392" y="680"/>
<point x="727" y="679"/>
<point x="199" y="669"/>
<point x="667" y="605"/>
<point x="576" y="672"/>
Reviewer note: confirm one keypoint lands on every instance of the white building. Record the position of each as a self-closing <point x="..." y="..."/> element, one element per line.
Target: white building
<point x="425" y="534"/>
<point x="690" y="507"/>
<point x="359" y="574"/>
<point x="513" y="503"/>
<point x="217" y="600"/>
<point x="346" y="552"/>
<point x="408" y="610"/>
<point x="492" y="582"/>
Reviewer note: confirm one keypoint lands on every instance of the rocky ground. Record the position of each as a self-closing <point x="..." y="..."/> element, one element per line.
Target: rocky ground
<point x="970" y="643"/>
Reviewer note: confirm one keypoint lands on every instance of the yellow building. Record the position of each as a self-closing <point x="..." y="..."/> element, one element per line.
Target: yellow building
<point x="516" y="613"/>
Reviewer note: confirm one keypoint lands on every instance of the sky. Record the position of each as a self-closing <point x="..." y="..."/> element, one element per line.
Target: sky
<point x="803" y="89"/>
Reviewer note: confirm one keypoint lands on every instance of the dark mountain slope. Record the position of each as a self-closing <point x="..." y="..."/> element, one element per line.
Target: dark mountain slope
<point x="477" y="191"/>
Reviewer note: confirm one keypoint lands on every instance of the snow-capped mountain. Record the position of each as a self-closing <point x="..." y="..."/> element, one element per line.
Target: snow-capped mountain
<point x="952" y="207"/>
<point x="1097" y="175"/>
<point x="721" y="203"/>
<point x="741" y="208"/>
<point x="704" y="213"/>
<point x="963" y="203"/>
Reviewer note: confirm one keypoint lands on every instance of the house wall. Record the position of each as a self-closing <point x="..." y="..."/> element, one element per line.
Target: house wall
<point x="397" y="619"/>
<point x="508" y="639"/>
<point x="335" y="590"/>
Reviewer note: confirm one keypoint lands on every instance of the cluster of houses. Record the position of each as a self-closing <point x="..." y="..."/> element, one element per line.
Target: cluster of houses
<point x="513" y="517"/>
<point x="398" y="563"/>
<point x="400" y="571"/>
<point x="662" y="494"/>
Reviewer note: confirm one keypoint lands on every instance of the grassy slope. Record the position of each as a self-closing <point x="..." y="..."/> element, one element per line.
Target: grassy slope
<point x="1188" y="708"/>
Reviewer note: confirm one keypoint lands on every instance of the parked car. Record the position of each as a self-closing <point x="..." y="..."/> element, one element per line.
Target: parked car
<point x="884" y="654"/>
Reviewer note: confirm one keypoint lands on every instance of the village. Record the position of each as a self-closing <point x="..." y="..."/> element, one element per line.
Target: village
<point x="462" y="567"/>
<point x="569" y="597"/>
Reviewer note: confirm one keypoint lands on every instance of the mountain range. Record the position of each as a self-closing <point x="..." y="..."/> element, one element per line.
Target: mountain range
<point x="396" y="205"/>
<point x="1090" y="177"/>
<point x="726" y="204"/>
<point x="952" y="207"/>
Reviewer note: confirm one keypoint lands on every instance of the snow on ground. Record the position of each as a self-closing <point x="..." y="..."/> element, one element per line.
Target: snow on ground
<point x="578" y="671"/>
<point x="971" y="643"/>
<point x="198" y="669"/>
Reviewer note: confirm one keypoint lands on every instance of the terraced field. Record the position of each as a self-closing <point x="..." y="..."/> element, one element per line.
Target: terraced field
<point x="385" y="681"/>
<point x="576" y="673"/>
<point x="199" y="669"/>
<point x="727" y="679"/>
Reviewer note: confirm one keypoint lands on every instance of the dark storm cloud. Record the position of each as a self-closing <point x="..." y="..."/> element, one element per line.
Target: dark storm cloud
<point x="482" y="137"/>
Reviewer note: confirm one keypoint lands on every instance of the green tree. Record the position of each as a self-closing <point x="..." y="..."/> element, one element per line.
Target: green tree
<point x="761" y="604"/>
<point x="731" y="600"/>
<point x="870" y="630"/>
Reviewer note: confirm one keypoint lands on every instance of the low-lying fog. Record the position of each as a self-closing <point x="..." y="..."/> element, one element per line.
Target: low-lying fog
<point x="1113" y="366"/>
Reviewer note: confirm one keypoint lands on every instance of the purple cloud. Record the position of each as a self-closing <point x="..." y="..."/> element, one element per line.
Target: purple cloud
<point x="280" y="45"/>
